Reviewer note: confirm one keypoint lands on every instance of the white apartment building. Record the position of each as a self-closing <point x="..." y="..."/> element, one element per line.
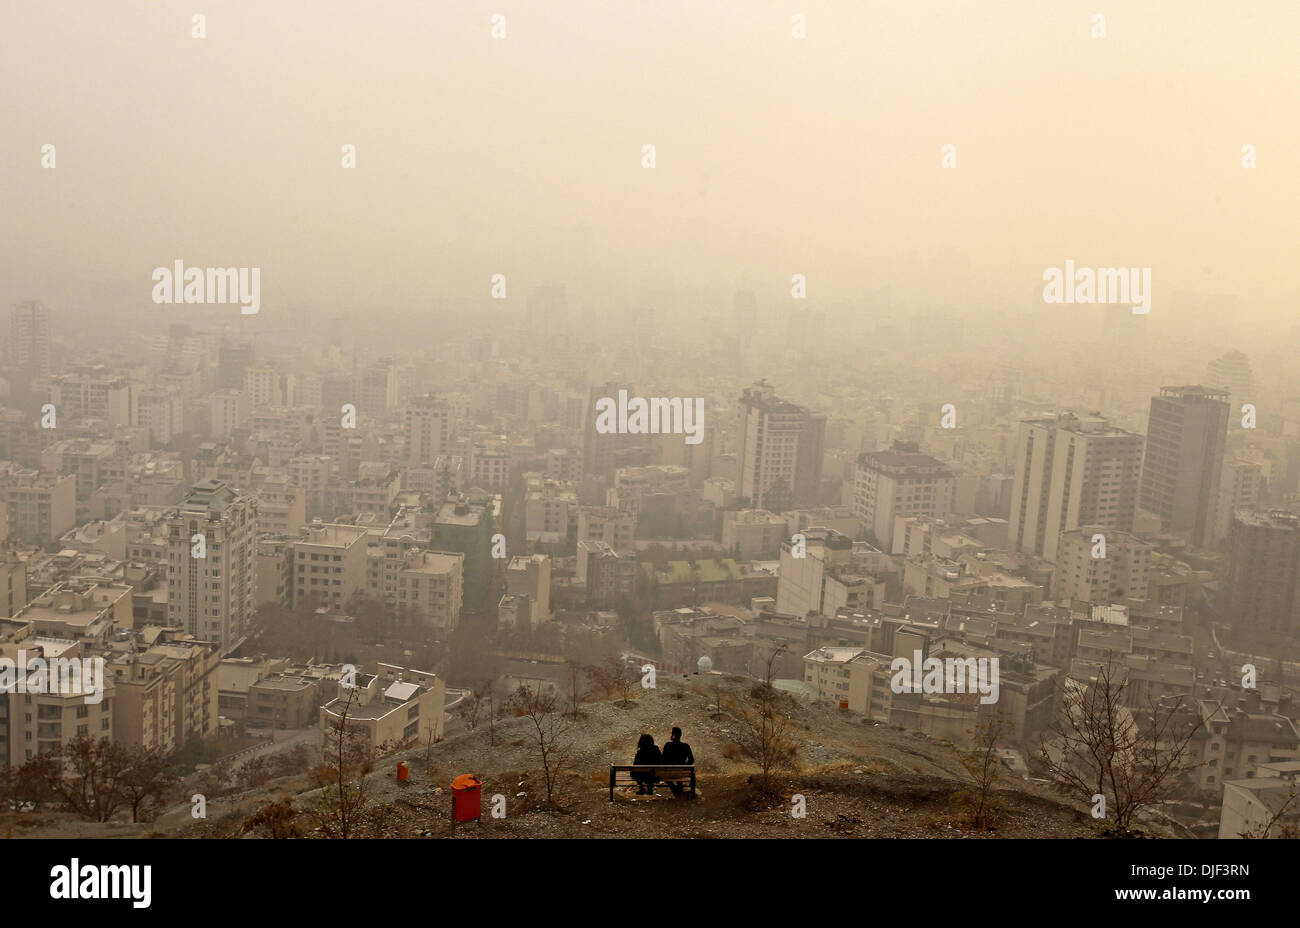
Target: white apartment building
<point x="428" y="430"/>
<point x="1072" y="471"/>
<point x="329" y="564"/>
<point x="213" y="597"/>
<point x="1123" y="573"/>
<point x="899" y="482"/>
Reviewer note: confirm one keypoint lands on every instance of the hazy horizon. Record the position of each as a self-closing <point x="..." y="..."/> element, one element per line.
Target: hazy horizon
<point x="522" y="155"/>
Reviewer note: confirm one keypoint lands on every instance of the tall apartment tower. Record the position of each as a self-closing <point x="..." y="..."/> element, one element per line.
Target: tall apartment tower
<point x="779" y="450"/>
<point x="212" y="597"/>
<point x="1262" y="585"/>
<point x="428" y="429"/>
<point x="602" y="453"/>
<point x="1186" y="433"/>
<point x="30" y="338"/>
<point x="1071" y="471"/>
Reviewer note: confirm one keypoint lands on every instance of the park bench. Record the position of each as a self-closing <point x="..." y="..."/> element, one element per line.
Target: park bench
<point x="621" y="775"/>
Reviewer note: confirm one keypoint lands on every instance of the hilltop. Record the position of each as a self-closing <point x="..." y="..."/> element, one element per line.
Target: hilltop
<point x="858" y="779"/>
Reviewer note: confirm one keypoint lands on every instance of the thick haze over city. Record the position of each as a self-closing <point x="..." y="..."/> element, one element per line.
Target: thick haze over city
<point x="658" y="419"/>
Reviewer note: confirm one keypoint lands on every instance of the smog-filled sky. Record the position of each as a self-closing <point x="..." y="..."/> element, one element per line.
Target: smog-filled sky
<point x="523" y="155"/>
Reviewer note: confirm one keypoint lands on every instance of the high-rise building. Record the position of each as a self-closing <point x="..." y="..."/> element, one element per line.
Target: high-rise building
<point x="467" y="529"/>
<point x="1071" y="471"/>
<point x="1262" y="585"/>
<point x="1242" y="485"/>
<point x="212" y="597"/>
<point x="30" y="339"/>
<point x="1232" y="372"/>
<point x="899" y="482"/>
<point x="604" y="452"/>
<point x="1186" y="433"/>
<point x="428" y="430"/>
<point x="779" y="450"/>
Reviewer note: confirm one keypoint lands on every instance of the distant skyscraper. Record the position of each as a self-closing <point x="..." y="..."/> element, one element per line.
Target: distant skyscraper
<point x="30" y="339"/>
<point x="1186" y="433"/>
<point x="1071" y="471"/>
<point x="1232" y="373"/>
<point x="1262" y="585"/>
<point x="779" y="453"/>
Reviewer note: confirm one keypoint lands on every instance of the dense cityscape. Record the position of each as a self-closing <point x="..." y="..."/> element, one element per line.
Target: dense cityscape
<point x="427" y="423"/>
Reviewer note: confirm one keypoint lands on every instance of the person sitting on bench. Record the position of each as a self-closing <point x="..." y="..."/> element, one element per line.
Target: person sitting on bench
<point x="646" y="753"/>
<point x="677" y="751"/>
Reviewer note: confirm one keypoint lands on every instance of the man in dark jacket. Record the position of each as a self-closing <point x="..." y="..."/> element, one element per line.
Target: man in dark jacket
<point x="677" y="751"/>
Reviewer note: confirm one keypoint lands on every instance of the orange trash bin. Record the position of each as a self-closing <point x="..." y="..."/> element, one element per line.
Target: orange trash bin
<point x="466" y="797"/>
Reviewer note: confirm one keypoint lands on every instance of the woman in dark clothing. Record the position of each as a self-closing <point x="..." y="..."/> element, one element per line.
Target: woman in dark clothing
<point x="646" y="753"/>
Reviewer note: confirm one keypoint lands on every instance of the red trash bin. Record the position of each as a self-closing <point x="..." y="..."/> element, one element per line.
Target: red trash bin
<point x="466" y="797"/>
<point x="403" y="771"/>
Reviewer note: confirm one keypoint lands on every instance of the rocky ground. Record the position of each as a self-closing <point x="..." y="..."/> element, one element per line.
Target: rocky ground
<point x="857" y="779"/>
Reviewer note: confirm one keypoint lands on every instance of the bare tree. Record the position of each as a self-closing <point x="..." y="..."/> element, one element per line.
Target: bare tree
<point x="344" y="799"/>
<point x="1098" y="747"/>
<point x="982" y="763"/>
<point x="615" y="675"/>
<point x="551" y="728"/>
<point x="766" y="734"/>
<point x="576" y="675"/>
